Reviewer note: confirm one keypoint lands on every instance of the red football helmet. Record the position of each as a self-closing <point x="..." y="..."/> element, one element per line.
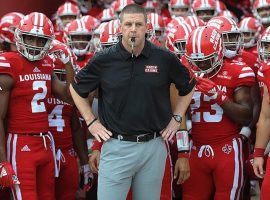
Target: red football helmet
<point x="232" y="36"/>
<point x="84" y="5"/>
<point x="194" y="21"/>
<point x="8" y="24"/>
<point x="66" y="13"/>
<point x="107" y="15"/>
<point x="79" y="34"/>
<point x="150" y="6"/>
<point x="205" y="9"/>
<point x="96" y="36"/>
<point x="158" y="24"/>
<point x="179" y="7"/>
<point x="264" y="47"/>
<point x="220" y="6"/>
<point x="204" y="50"/>
<point x="261" y="10"/>
<point x="36" y="25"/>
<point x="109" y="35"/>
<point x="251" y="28"/>
<point x="91" y="21"/>
<point x="120" y="4"/>
<point x="227" y="13"/>
<point x="179" y="38"/>
<point x="150" y="33"/>
<point x="173" y="23"/>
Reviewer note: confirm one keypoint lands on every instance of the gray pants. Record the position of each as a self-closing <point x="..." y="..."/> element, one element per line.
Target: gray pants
<point x="124" y="165"/>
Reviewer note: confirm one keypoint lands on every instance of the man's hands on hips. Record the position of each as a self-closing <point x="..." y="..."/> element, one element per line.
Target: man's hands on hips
<point x="170" y="130"/>
<point x="99" y="131"/>
<point x="181" y="170"/>
<point x="8" y="177"/>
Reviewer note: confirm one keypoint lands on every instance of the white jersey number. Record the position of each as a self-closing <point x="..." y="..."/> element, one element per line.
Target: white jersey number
<point x="36" y="105"/>
<point x="214" y="115"/>
<point x="56" y="118"/>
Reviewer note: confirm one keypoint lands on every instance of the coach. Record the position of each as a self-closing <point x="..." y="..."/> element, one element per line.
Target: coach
<point x="133" y="78"/>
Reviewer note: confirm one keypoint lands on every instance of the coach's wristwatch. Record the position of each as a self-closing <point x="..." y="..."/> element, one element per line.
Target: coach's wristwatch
<point x="178" y="118"/>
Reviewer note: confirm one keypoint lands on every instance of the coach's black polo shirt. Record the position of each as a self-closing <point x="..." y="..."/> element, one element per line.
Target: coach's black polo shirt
<point x="134" y="93"/>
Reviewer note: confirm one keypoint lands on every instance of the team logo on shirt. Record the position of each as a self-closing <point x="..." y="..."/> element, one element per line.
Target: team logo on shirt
<point x="227" y="149"/>
<point x="224" y="75"/>
<point x="151" y="69"/>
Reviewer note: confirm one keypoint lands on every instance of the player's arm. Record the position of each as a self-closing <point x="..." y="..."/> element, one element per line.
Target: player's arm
<point x="60" y="89"/>
<point x="79" y="138"/>
<point x="6" y="84"/>
<point x="239" y="109"/>
<point x="262" y="135"/>
<point x="257" y="103"/>
<point x="9" y="178"/>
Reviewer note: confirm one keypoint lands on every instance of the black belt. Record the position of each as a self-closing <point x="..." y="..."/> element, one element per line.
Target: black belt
<point x="136" y="138"/>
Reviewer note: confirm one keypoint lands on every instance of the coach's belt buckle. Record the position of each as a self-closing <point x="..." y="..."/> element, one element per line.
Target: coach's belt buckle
<point x="140" y="136"/>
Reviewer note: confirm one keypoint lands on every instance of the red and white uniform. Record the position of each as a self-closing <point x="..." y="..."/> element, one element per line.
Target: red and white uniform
<point x="29" y="153"/>
<point x="216" y="155"/>
<point x="252" y="50"/>
<point x="246" y="58"/>
<point x="260" y="79"/>
<point x="60" y="115"/>
<point x="82" y="63"/>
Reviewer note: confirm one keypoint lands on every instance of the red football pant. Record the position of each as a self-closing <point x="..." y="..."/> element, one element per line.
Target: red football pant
<point x="34" y="165"/>
<point x="215" y="171"/>
<point x="67" y="183"/>
<point x="265" y="191"/>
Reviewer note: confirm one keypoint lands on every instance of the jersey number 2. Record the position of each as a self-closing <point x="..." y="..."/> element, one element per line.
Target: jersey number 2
<point x="36" y="105"/>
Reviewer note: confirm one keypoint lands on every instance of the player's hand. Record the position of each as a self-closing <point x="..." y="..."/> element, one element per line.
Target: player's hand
<point x="60" y="52"/>
<point x="210" y="89"/>
<point x="88" y="177"/>
<point x="169" y="132"/>
<point x="258" y="166"/>
<point x="94" y="161"/>
<point x="181" y="170"/>
<point x="99" y="131"/>
<point x="8" y="177"/>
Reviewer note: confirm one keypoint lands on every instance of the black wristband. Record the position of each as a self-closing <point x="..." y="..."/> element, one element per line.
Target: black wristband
<point x="91" y="122"/>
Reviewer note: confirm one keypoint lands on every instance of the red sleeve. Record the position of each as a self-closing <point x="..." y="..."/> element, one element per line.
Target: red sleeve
<point x="97" y="145"/>
<point x="6" y="66"/>
<point x="244" y="75"/>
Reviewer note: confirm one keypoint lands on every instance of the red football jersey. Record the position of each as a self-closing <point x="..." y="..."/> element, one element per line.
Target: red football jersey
<point x="59" y="35"/>
<point x="253" y="50"/>
<point x="260" y="79"/>
<point x="209" y="123"/>
<point x="59" y="116"/>
<point x="247" y="58"/>
<point x="32" y="86"/>
<point x="82" y="63"/>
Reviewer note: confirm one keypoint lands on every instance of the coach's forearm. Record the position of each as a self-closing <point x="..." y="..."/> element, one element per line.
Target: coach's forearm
<point x="182" y="103"/>
<point x="83" y="105"/>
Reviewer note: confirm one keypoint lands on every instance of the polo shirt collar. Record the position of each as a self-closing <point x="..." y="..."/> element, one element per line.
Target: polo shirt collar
<point x="125" y="54"/>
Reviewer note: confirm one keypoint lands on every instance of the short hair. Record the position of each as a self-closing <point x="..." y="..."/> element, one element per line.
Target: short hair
<point x="132" y="9"/>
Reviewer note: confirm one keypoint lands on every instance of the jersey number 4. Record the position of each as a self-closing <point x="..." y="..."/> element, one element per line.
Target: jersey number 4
<point x="56" y="119"/>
